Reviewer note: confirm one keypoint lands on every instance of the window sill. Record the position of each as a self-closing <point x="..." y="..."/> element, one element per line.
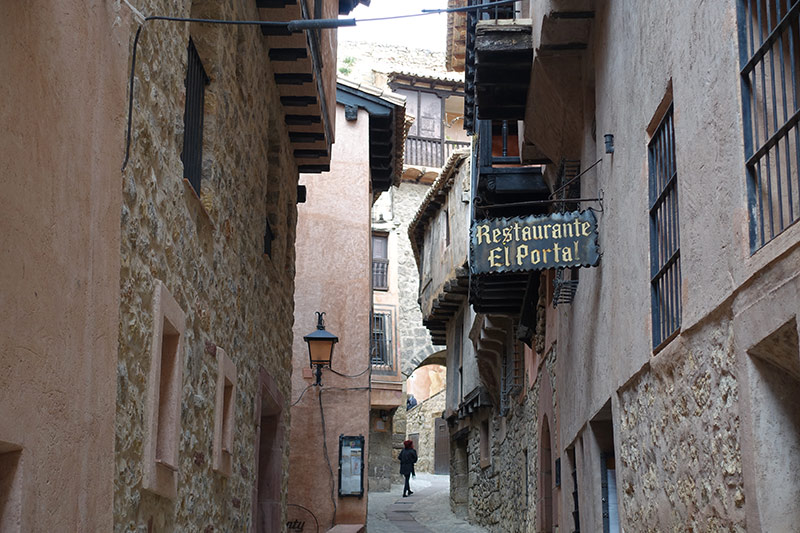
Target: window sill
<point x="666" y="341"/>
<point x="199" y="202"/>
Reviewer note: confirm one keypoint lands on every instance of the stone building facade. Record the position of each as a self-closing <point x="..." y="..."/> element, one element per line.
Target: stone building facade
<point x="633" y="395"/>
<point x="162" y="400"/>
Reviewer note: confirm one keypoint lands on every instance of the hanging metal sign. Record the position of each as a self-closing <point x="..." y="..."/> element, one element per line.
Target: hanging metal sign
<point x="521" y="244"/>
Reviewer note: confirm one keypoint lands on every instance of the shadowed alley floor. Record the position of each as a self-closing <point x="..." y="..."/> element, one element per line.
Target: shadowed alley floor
<point x="427" y="510"/>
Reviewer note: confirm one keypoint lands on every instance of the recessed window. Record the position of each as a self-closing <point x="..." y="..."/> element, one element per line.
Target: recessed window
<point x="192" y="155"/>
<point x="665" y="251"/>
<point x="224" y="414"/>
<point x="486" y="445"/>
<point x="268" y="238"/>
<point x="165" y="381"/>
<point x="380" y="261"/>
<point x="513" y="374"/>
<point x="381" y="345"/>
<point x="10" y="488"/>
<point x="769" y="53"/>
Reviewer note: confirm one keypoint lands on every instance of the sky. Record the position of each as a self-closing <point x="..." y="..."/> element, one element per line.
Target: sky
<point x="428" y="31"/>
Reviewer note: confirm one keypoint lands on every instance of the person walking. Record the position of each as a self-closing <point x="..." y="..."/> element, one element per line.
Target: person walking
<point x="407" y="457"/>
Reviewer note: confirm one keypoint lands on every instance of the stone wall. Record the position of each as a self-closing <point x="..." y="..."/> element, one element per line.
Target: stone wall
<point x="499" y="495"/>
<point x="208" y="252"/>
<point x="679" y="445"/>
<point x="421" y="420"/>
<point x="382" y="461"/>
<point x="414" y="339"/>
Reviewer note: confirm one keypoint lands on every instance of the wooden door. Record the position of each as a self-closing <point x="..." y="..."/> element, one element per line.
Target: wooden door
<point x="441" y="452"/>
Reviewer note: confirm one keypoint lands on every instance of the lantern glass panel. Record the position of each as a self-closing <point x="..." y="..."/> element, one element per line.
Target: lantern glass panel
<point x="320" y="351"/>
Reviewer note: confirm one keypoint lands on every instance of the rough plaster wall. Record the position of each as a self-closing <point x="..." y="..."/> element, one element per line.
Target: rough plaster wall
<point x="496" y="494"/>
<point x="680" y="464"/>
<point x="62" y="121"/>
<point x="421" y="420"/>
<point x="210" y="261"/>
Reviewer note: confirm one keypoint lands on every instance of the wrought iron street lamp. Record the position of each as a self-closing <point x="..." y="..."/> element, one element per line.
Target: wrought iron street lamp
<point x="320" y="347"/>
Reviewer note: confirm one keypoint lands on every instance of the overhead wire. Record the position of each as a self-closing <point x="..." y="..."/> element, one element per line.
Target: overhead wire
<point x="292" y="25"/>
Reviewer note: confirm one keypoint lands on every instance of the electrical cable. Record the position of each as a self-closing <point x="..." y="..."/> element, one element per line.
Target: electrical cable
<point x="306" y="509"/>
<point x="292" y="25"/>
<point x="327" y="458"/>
<point x="440" y="11"/>
<point x="352" y="375"/>
<point x="301" y="395"/>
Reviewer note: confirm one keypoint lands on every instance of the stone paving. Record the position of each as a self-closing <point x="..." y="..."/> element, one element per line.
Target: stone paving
<point x="425" y="511"/>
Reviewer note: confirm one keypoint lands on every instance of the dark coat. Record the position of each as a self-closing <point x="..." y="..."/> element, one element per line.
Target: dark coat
<point x="407" y="459"/>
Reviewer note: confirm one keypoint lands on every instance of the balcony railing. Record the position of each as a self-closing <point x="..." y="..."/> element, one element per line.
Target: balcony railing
<point x="426" y="152"/>
<point x="380" y="277"/>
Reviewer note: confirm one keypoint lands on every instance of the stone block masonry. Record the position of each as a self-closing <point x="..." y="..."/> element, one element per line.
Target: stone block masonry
<point x="497" y="494"/>
<point x="208" y="252"/>
<point x="680" y="456"/>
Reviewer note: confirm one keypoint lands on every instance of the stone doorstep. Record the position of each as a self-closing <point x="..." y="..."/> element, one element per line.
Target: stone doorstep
<point x="347" y="528"/>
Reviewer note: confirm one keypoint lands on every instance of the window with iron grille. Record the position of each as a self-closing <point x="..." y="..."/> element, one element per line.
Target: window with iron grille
<point x="511" y="379"/>
<point x="665" y="256"/>
<point x="380" y="262"/>
<point x="192" y="155"/>
<point x="381" y="345"/>
<point x="769" y="53"/>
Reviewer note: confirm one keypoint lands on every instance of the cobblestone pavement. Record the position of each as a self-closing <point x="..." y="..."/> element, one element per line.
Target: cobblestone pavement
<point x="425" y="511"/>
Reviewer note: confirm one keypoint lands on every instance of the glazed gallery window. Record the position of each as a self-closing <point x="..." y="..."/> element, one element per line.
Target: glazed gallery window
<point x="192" y="155"/>
<point x="769" y="54"/>
<point x="380" y="261"/>
<point x="665" y="254"/>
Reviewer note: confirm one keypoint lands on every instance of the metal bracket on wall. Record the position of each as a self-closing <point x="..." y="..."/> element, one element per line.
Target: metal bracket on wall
<point x="563" y="289"/>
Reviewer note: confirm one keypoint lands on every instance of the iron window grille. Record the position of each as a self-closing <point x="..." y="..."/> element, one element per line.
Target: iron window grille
<point x="380" y="262"/>
<point x="769" y="53"/>
<point x="381" y="342"/>
<point x="195" y="82"/>
<point x="512" y="374"/>
<point x="665" y="256"/>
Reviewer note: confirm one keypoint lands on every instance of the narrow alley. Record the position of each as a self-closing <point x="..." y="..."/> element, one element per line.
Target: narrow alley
<point x="425" y="511"/>
<point x="260" y="260"/>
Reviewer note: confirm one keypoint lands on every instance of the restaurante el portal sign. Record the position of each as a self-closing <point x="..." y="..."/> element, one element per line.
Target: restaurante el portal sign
<point x="521" y="244"/>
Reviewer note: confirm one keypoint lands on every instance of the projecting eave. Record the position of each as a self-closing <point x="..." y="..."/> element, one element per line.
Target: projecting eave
<point x="387" y="129"/>
<point x="554" y="106"/>
<point x="305" y="82"/>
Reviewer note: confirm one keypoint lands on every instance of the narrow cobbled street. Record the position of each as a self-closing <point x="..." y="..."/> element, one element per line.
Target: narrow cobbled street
<point x="427" y="510"/>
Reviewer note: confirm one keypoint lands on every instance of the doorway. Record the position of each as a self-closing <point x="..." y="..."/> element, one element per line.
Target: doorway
<point x="269" y="443"/>
<point x="441" y="447"/>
